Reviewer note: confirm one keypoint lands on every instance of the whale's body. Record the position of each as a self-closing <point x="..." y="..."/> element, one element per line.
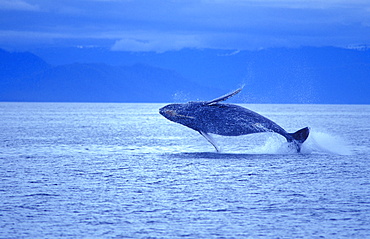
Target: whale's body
<point x="226" y="119"/>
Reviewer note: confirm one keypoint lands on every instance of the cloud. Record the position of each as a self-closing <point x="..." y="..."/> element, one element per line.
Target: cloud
<point x="307" y="4"/>
<point x="157" y="25"/>
<point x="158" y="42"/>
<point x="17" y="5"/>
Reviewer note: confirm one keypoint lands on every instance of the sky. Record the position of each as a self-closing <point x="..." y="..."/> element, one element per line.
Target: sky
<point x="167" y="25"/>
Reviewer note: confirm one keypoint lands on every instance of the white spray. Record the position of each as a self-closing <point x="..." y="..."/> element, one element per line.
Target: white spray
<point x="317" y="142"/>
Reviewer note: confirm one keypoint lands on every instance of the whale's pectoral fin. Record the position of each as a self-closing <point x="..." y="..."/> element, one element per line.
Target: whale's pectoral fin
<point x="210" y="139"/>
<point x="224" y="97"/>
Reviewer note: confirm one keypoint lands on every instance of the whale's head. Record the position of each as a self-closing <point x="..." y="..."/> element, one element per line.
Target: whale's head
<point x="181" y="113"/>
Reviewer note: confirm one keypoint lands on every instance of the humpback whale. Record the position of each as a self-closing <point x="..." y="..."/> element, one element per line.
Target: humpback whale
<point x="213" y="117"/>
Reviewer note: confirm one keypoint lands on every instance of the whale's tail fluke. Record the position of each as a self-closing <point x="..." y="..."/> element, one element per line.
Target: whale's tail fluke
<point x="299" y="137"/>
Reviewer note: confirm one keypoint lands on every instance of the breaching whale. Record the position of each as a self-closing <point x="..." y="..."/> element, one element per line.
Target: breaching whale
<point x="213" y="117"/>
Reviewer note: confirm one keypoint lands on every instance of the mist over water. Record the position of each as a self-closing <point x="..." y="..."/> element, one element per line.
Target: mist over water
<point x="317" y="143"/>
<point x="122" y="170"/>
<point x="321" y="142"/>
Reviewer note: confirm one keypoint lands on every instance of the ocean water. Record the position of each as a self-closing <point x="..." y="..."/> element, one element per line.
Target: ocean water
<point x="71" y="170"/>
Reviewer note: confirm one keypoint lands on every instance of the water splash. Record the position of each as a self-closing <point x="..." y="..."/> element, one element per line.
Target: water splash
<point x="317" y="142"/>
<point x="323" y="142"/>
<point x="274" y="145"/>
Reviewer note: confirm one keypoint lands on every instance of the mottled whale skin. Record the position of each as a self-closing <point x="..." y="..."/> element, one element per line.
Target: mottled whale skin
<point x="226" y="119"/>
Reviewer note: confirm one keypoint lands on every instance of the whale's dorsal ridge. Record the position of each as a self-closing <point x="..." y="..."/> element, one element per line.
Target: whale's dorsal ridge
<point x="224" y="97"/>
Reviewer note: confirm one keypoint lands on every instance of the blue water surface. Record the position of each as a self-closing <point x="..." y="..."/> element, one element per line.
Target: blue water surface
<point x="71" y="170"/>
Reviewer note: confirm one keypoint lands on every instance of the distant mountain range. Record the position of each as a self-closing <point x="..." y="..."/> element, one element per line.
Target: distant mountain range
<point x="301" y="75"/>
<point x="26" y="77"/>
